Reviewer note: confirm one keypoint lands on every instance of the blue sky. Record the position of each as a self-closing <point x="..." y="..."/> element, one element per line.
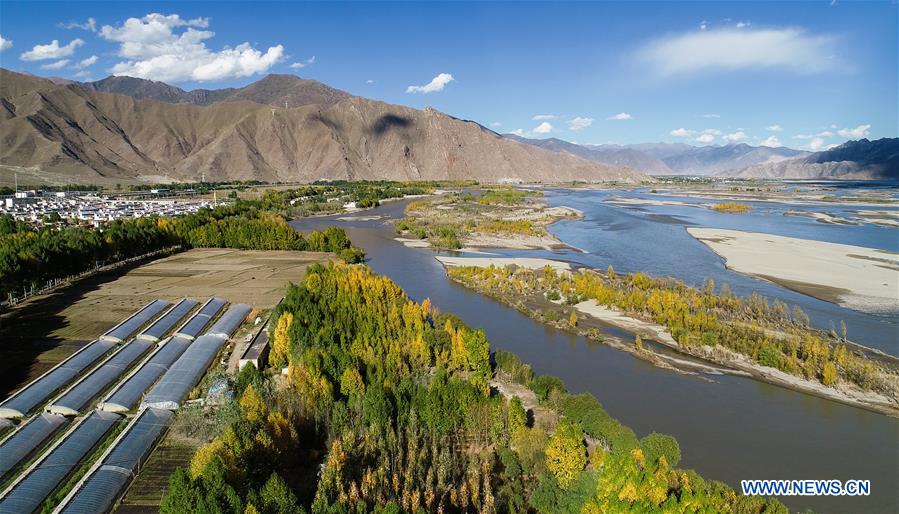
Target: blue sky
<point x="799" y="74"/>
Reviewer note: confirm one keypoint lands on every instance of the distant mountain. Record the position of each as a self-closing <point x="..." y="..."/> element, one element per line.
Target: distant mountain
<point x="612" y="156"/>
<point x="660" y="151"/>
<point x="670" y="158"/>
<point x="710" y="160"/>
<point x="853" y="160"/>
<point x="275" y="90"/>
<point x="125" y="129"/>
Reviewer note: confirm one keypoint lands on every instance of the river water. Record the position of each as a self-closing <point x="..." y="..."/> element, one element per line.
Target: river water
<point x="729" y="428"/>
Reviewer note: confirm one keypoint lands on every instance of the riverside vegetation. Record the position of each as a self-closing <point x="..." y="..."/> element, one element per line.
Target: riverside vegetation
<point x="387" y="407"/>
<point x="498" y="218"/>
<point x="732" y="207"/>
<point x="707" y="323"/>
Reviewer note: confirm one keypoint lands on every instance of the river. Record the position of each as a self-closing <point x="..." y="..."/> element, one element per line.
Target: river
<point x="729" y="428"/>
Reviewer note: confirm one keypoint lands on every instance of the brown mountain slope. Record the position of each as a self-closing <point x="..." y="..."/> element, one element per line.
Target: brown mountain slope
<point x="93" y="136"/>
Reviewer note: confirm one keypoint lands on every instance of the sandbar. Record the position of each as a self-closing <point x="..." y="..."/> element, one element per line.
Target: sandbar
<point x="860" y="278"/>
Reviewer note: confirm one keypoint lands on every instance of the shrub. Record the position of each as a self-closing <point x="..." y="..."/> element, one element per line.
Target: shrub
<point x="545" y="384"/>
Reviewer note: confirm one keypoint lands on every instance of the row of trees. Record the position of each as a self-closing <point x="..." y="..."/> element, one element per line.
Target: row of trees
<point x="31" y="257"/>
<point x="700" y="319"/>
<point x="396" y="399"/>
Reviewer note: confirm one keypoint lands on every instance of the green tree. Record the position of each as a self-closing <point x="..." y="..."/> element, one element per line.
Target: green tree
<point x="277" y="498"/>
<point x="657" y="445"/>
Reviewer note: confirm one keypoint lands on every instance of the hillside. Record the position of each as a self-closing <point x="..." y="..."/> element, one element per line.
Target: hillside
<point x="853" y="160"/>
<point x="150" y="131"/>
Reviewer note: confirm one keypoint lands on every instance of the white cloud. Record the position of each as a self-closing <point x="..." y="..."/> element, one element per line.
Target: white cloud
<point x="743" y="24"/>
<point x="302" y="64"/>
<point x="772" y="142"/>
<point x="705" y="138"/>
<point x="711" y="116"/>
<point x="713" y="132"/>
<point x="90" y="24"/>
<point x="5" y="44"/>
<point x="825" y="133"/>
<point x="774" y="128"/>
<point x="84" y="63"/>
<point x="579" y="123"/>
<point x="84" y="75"/>
<point x="58" y="65"/>
<point x="541" y="117"/>
<point x="51" y="50"/>
<point x="854" y="133"/>
<point x="436" y="84"/>
<point x="496" y="124"/>
<point x="703" y="25"/>
<point x="155" y="51"/>
<point x="815" y="144"/>
<point x="788" y="49"/>
<point x="543" y="128"/>
<point x="621" y="116"/>
<point x="369" y="81"/>
<point x="518" y="132"/>
<point x="735" y="137"/>
<point x="681" y="132"/>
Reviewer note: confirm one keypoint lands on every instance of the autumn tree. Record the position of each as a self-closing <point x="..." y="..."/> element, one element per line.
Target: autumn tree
<point x="565" y="453"/>
<point x="278" y="357"/>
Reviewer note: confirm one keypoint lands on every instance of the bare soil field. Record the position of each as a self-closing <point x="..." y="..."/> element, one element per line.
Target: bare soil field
<point x="37" y="334"/>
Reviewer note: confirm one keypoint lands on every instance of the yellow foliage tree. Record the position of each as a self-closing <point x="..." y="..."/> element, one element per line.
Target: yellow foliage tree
<point x="281" y="342"/>
<point x="565" y="453"/>
<point x="351" y="383"/>
<point x="252" y="405"/>
<point x="829" y="374"/>
<point x="204" y="456"/>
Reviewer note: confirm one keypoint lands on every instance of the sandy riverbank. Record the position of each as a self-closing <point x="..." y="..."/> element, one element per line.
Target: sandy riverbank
<point x="722" y="360"/>
<point x="856" y="277"/>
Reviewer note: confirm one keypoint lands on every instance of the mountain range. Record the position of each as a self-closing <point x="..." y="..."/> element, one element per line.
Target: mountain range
<point x="280" y="128"/>
<point x="671" y="158"/>
<point x="285" y="128"/>
<point x="853" y="160"/>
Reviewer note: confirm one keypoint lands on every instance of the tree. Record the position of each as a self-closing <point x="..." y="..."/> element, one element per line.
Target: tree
<point x="565" y="453"/>
<point x="572" y="319"/>
<point x="351" y="383"/>
<point x="278" y="357"/>
<point x="277" y="498"/>
<point x="518" y="417"/>
<point x="252" y="405"/>
<point x="656" y="445"/>
<point x="204" y="455"/>
<point x="829" y="374"/>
